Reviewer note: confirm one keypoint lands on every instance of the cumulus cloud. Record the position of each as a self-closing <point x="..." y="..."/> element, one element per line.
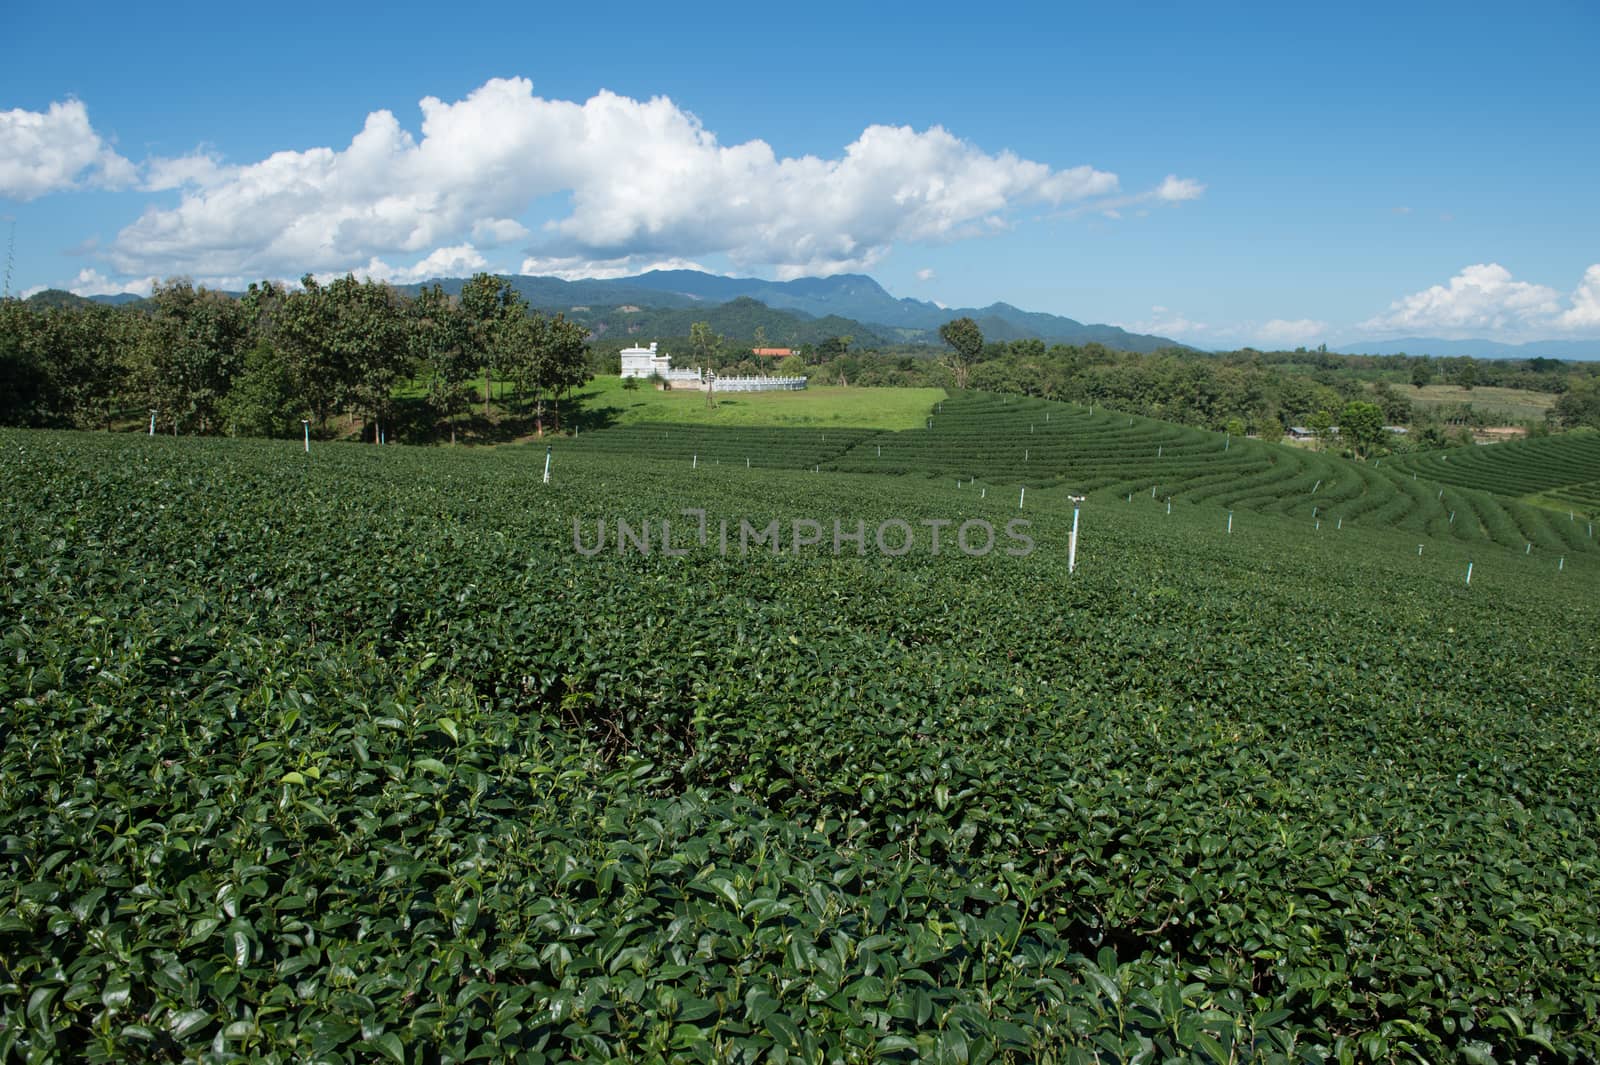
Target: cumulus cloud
<point x="1176" y="189"/>
<point x="644" y="182"/>
<point x="1168" y="323"/>
<point x="456" y="261"/>
<point x="1482" y="300"/>
<point x="91" y="282"/>
<point x="925" y="274"/>
<point x="1584" y="314"/>
<point x="1283" y="333"/>
<point x="574" y="268"/>
<point x="50" y="151"/>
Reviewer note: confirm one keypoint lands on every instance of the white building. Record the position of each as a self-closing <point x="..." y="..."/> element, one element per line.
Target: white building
<point x="642" y="362"/>
<point x="646" y="362"/>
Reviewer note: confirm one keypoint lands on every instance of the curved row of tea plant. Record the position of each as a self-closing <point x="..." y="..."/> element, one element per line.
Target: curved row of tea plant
<point x="356" y="757"/>
<point x="1013" y="440"/>
<point x="1548" y="465"/>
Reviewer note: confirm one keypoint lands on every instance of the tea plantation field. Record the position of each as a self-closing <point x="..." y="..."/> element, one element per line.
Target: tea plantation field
<point x="364" y="756"/>
<point x="1489" y="496"/>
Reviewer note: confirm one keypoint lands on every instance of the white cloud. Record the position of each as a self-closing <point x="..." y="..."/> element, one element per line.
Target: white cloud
<point x="51" y="151"/>
<point x="199" y="170"/>
<point x="1283" y="333"/>
<point x="1168" y="323"/>
<point x="495" y="231"/>
<point x="1176" y="189"/>
<point x="573" y="268"/>
<point x="645" y="179"/>
<point x="925" y="274"/>
<point x="1481" y="301"/>
<point x="1584" y="314"/>
<point x="457" y="261"/>
<point x="1172" y="190"/>
<point x="90" y="282"/>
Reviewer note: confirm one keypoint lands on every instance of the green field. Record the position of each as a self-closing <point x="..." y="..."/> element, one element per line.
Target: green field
<point x="359" y="756"/>
<point x="1513" y="404"/>
<point x="606" y="401"/>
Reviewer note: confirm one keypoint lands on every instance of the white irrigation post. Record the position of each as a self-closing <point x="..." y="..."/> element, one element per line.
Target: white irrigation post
<point x="694" y="464"/>
<point x="1316" y="486"/>
<point x="547" y="451"/>
<point x="747" y="462"/>
<point x="1230" y="523"/>
<point x="1452" y="517"/>
<point x="307" y="423"/>
<point x="1419" y="550"/>
<point x="1469" y="572"/>
<point x="1152" y="491"/>
<point x="1021" y="496"/>
<point x="983" y="493"/>
<point x="1159" y="449"/>
<point x="1529" y="551"/>
<point x="1169" y="504"/>
<point x="152" y="423"/>
<point x="1561" y="565"/>
<point x="1072" y="541"/>
<point x="1024" y="454"/>
<point x="880" y="451"/>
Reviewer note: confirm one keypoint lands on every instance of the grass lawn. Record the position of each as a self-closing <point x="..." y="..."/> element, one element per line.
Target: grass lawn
<point x="1516" y="404"/>
<point x="604" y="400"/>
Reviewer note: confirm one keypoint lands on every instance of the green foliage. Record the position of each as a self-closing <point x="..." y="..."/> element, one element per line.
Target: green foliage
<point x="351" y="756"/>
<point x="1361" y="426"/>
<point x="1579" y="405"/>
<point x="964" y="337"/>
<point x="262" y="401"/>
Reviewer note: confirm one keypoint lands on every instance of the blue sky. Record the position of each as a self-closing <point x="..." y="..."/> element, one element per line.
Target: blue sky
<point x="1224" y="174"/>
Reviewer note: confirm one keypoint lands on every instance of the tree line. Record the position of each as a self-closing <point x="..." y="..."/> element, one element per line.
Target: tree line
<point x="259" y="364"/>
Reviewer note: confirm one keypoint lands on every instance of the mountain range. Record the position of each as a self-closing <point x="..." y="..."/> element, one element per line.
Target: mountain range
<point x="847" y="298"/>
<point x="1478" y="349"/>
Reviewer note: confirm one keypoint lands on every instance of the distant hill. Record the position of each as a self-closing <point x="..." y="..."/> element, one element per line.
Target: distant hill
<point x="855" y="298"/>
<point x="1478" y="349"/>
<point x="858" y="297"/>
<point x="738" y="318"/>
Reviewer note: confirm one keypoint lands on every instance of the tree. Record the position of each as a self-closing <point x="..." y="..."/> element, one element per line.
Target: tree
<point x="369" y="335"/>
<point x="1578" y="405"/>
<point x="547" y="357"/>
<point x="1466" y="372"/>
<point x="488" y="303"/>
<point x="441" y="343"/>
<point x="704" y="343"/>
<point x="1361" y="425"/>
<point x="1421" y="372"/>
<point x="262" y="401"/>
<point x="192" y="349"/>
<point x="964" y="337"/>
<point x="305" y="332"/>
<point x="1321" y="423"/>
